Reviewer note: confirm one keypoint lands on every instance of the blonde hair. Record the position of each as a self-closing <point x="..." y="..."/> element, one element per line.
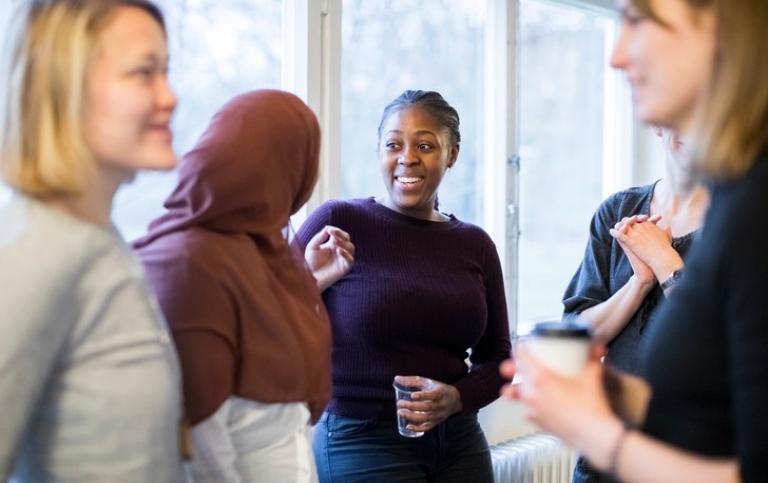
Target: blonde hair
<point x="731" y="127"/>
<point x="47" y="54"/>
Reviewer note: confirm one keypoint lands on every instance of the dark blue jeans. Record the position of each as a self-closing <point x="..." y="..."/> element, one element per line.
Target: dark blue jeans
<point x="372" y="451"/>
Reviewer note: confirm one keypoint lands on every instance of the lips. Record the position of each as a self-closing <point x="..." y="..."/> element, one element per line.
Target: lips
<point x="162" y="129"/>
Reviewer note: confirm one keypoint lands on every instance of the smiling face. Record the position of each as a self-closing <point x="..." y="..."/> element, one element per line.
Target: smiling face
<point x="415" y="152"/>
<point x="128" y="102"/>
<point x="668" y="61"/>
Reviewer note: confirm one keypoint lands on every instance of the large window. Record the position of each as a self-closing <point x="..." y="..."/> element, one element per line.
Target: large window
<point x="218" y="50"/>
<point x="388" y="47"/>
<point x="565" y="139"/>
<point x="561" y="107"/>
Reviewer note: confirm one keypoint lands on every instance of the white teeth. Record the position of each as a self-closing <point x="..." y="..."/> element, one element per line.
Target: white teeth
<point x="408" y="180"/>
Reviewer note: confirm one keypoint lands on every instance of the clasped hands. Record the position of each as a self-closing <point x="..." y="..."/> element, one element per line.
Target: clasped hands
<point x="647" y="246"/>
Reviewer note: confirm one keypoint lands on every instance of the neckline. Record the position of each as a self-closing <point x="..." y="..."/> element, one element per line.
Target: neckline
<point x="397" y="216"/>
<point x="647" y="207"/>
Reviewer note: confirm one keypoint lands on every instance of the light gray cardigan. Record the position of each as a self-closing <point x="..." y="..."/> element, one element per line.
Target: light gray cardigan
<point x="90" y="389"/>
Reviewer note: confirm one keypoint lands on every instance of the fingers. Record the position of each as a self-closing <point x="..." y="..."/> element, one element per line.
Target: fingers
<point x="597" y="351"/>
<point x="318" y="239"/>
<point x="346" y="255"/>
<point x="507" y="369"/>
<point x="333" y="235"/>
<point x="337" y="233"/>
<point x="626" y="222"/>
<point x="510" y="391"/>
<point x="339" y="240"/>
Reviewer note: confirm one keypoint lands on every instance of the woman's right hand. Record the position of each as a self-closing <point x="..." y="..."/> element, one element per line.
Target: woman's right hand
<point x="329" y="255"/>
<point x="568" y="407"/>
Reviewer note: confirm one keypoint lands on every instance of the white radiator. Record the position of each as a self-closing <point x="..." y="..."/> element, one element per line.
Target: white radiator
<point x="535" y="458"/>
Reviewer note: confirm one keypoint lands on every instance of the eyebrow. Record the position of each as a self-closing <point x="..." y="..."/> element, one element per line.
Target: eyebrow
<point x="421" y="132"/>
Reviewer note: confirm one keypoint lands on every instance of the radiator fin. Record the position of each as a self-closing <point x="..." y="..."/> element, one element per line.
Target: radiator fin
<point x="535" y="458"/>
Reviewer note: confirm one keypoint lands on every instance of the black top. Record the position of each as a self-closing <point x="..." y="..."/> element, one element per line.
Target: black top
<point x="605" y="269"/>
<point x="707" y="355"/>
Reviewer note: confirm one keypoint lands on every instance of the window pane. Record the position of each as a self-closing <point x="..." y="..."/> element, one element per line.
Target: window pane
<point x="388" y="47"/>
<point x="218" y="50"/>
<point x="563" y="71"/>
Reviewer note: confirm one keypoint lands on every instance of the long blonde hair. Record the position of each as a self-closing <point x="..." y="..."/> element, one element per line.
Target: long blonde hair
<point x="47" y="53"/>
<point x="731" y="126"/>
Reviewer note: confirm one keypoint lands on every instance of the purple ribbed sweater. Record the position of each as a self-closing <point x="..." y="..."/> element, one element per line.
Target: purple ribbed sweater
<point x="420" y="297"/>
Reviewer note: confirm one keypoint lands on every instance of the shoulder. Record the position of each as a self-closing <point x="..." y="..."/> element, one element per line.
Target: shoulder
<point x="50" y="256"/>
<point x="631" y="201"/>
<point x="351" y="207"/>
<point x="736" y="207"/>
<point x="467" y="240"/>
<point x="471" y="230"/>
<point x="340" y="212"/>
<point x="180" y="256"/>
<point x="37" y="238"/>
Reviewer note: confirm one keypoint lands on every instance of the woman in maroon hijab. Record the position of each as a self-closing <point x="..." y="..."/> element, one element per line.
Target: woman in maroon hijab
<point x="246" y="315"/>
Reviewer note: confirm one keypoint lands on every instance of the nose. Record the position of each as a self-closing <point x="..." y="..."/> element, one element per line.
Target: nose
<point x="165" y="96"/>
<point x="619" y="58"/>
<point x="408" y="157"/>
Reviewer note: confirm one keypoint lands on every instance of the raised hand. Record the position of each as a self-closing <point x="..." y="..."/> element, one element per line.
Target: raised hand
<point x="329" y="255"/>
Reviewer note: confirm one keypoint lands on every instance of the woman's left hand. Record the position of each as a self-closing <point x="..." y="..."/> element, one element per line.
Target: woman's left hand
<point x="430" y="406"/>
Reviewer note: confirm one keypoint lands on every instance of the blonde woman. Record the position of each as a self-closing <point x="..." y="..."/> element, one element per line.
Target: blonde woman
<point x="697" y="67"/>
<point x="89" y="380"/>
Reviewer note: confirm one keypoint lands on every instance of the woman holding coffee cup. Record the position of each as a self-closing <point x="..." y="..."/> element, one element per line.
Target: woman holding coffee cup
<point x="696" y="67"/>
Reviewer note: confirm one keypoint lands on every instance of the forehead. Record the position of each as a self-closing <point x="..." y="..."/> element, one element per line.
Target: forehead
<point x="129" y="29"/>
<point x="413" y="117"/>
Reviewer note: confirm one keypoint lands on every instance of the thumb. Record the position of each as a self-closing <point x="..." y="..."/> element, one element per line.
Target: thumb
<point x="318" y="239"/>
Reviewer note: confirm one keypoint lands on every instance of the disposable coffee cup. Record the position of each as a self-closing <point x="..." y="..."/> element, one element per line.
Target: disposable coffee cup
<point x="403" y="392"/>
<point x="561" y="346"/>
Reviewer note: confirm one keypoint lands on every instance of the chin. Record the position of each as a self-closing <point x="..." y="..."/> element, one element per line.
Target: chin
<point x="161" y="161"/>
<point x="648" y="116"/>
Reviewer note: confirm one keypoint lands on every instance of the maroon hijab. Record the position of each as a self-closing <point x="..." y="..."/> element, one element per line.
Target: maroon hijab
<point x="245" y="312"/>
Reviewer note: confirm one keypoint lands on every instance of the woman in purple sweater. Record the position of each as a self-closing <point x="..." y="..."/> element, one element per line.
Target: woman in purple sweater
<point x="425" y="293"/>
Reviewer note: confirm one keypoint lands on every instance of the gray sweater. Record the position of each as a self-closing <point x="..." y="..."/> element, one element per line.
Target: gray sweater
<point x="89" y="381"/>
